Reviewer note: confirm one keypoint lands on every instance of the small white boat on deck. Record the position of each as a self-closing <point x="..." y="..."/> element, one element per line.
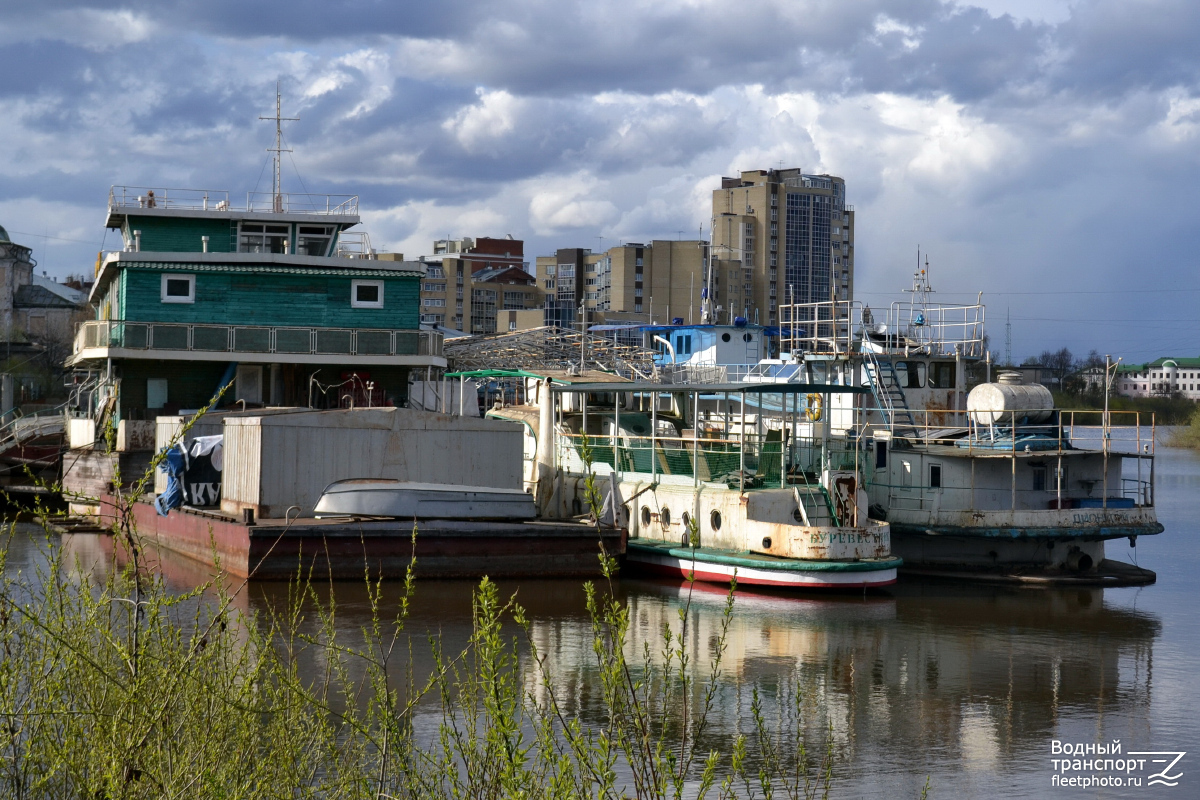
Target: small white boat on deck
<point x="408" y="500"/>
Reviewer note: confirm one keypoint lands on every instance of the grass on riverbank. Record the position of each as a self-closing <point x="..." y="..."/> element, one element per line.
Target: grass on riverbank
<point x="1188" y="435"/>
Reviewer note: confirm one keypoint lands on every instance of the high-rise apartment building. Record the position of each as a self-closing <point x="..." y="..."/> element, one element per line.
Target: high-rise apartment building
<point x="634" y="282"/>
<point x="469" y="282"/>
<point x="567" y="278"/>
<point x="780" y="237"/>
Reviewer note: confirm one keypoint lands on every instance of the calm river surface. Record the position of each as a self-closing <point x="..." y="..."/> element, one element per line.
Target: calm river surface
<point x="966" y="683"/>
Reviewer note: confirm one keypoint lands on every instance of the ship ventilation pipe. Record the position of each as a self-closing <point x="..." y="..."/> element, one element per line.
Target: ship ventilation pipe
<point x="203" y="244"/>
<point x="670" y="349"/>
<point x="137" y="241"/>
<point x="544" y="458"/>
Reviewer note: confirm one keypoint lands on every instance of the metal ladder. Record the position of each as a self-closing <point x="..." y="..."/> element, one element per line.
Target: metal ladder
<point x="816" y="502"/>
<point x="889" y="395"/>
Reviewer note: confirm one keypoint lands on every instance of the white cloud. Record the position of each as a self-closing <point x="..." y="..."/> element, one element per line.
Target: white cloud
<point x="477" y="127"/>
<point x="564" y="203"/>
<point x="94" y="29"/>
<point x="1182" y="120"/>
<point x="1051" y="11"/>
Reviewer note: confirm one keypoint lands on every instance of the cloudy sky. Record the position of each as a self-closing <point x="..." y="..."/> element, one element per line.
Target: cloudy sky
<point x="1044" y="152"/>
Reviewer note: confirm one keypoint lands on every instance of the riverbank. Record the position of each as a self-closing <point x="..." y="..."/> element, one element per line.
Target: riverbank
<point x="1187" y="434"/>
<point x="1166" y="410"/>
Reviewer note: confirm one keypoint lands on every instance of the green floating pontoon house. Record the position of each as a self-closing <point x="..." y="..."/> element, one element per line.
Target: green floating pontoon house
<point x="278" y="296"/>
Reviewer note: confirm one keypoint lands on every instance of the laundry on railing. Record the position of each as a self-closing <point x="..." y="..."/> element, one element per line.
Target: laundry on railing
<point x="193" y="474"/>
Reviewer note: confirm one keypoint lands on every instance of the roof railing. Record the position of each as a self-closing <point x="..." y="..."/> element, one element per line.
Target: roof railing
<point x="159" y="197"/>
<point x="354" y="244"/>
<point x="218" y="200"/>
<point x="836" y="327"/>
<point x="292" y="203"/>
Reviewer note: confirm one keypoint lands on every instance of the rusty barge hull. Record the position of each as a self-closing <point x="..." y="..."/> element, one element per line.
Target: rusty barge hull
<point x="348" y="549"/>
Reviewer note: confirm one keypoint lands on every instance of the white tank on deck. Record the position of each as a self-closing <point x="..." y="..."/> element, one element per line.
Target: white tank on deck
<point x="998" y="403"/>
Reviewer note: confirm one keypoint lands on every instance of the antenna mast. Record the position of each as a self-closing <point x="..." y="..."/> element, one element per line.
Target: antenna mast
<point x="278" y="149"/>
<point x="1008" y="338"/>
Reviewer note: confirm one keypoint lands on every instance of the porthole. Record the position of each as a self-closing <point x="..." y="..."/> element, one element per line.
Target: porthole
<point x="796" y="515"/>
<point x="645" y="515"/>
<point x="664" y="516"/>
<point x="766" y="543"/>
<point x="724" y="337"/>
<point x="686" y="519"/>
<point x="746" y="337"/>
<point x="714" y="520"/>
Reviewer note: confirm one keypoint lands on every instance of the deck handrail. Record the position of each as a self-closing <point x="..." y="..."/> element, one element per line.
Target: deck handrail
<point x="296" y="340"/>
<point x="145" y="197"/>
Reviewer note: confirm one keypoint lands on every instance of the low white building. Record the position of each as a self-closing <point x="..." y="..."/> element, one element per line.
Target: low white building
<point x="1160" y="378"/>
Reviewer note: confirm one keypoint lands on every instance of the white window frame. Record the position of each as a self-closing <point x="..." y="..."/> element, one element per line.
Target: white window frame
<point x="356" y="303"/>
<point x="191" y="296"/>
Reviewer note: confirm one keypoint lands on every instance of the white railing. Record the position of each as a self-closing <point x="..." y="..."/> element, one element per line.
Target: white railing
<point x="354" y="244"/>
<point x="826" y="327"/>
<point x="292" y="203"/>
<point x="159" y="197"/>
<point x="256" y="339"/>
<point x="837" y="327"/>
<point x="937" y="329"/>
<point x="1057" y="442"/>
<point x="218" y="200"/>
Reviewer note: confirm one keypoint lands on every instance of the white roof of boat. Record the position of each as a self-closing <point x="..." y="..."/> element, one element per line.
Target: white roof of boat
<point x="362" y="484"/>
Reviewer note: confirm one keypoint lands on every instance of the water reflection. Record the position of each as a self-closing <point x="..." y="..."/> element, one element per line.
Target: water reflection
<point x="967" y="682"/>
<point x="975" y="674"/>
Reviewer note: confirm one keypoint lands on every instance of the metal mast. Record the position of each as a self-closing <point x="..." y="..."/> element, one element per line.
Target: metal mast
<point x="278" y="149"/>
<point x="1008" y="338"/>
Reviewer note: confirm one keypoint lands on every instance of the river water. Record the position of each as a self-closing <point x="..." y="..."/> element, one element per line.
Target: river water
<point x="969" y="684"/>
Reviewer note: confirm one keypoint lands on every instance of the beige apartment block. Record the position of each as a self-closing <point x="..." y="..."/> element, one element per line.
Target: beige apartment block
<point x="470" y="283"/>
<point x="663" y="280"/>
<point x="780" y="236"/>
<point x="633" y="283"/>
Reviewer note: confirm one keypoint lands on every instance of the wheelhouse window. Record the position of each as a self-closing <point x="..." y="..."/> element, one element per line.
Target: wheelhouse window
<point x="911" y="374"/>
<point x="258" y="237"/>
<point x="313" y="240"/>
<point x="178" y="288"/>
<point x="366" y="294"/>
<point x="941" y="375"/>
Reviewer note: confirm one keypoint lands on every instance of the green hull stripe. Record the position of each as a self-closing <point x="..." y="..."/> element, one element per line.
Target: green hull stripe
<point x="760" y="561"/>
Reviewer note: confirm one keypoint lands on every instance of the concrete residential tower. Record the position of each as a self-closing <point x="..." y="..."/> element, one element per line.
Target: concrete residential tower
<point x="779" y="237"/>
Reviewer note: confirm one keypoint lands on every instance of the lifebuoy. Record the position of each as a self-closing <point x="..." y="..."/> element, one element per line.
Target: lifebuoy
<point x="813" y="412"/>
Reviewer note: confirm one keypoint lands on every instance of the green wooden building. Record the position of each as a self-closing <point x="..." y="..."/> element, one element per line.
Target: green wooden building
<point x="277" y="296"/>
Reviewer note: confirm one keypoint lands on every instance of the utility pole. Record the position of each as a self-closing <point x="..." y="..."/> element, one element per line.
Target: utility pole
<point x="278" y="149"/>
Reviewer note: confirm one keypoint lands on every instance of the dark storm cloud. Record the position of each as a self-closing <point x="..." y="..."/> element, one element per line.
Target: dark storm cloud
<point x="29" y="69"/>
<point x="966" y="54"/>
<point x="1116" y="46"/>
<point x="953" y="126"/>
